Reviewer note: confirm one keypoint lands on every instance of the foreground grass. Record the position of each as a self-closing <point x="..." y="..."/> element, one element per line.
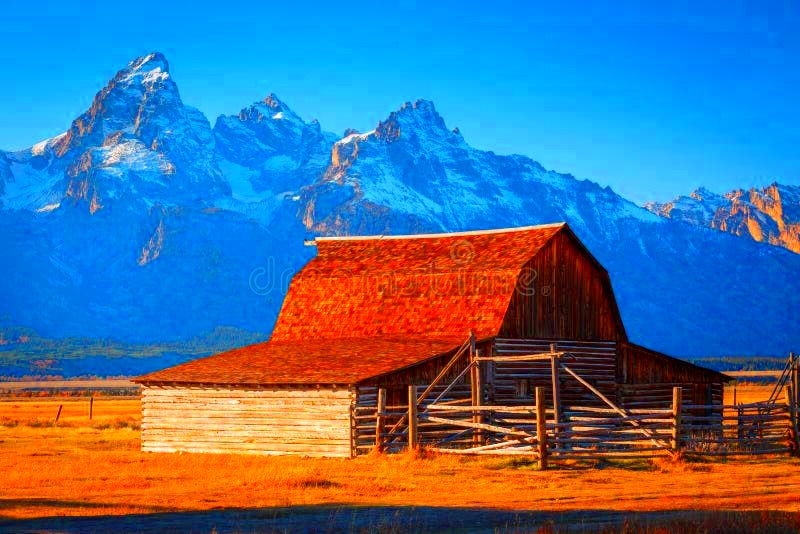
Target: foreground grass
<point x="84" y="468"/>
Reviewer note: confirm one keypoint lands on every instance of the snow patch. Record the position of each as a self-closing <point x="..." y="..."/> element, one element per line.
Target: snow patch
<point x="49" y="207"/>
<point x="355" y="137"/>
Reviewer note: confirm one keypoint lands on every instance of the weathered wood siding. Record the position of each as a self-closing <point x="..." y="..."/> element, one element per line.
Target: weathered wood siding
<point x="303" y="421"/>
<point x="563" y="294"/>
<point x="594" y="361"/>
<point x="647" y="377"/>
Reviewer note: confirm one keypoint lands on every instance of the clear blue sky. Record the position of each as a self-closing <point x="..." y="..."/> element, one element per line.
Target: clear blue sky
<point x="653" y="101"/>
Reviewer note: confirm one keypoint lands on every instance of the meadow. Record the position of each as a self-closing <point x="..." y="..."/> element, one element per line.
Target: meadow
<point x="61" y="475"/>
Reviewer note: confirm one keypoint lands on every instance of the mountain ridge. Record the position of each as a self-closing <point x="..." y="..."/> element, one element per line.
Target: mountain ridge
<point x="769" y="214"/>
<point x="161" y="227"/>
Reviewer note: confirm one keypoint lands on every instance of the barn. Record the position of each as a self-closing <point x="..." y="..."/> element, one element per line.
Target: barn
<point x="382" y="313"/>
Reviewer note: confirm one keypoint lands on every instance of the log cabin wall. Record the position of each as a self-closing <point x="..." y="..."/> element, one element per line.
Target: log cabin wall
<point x="647" y="377"/>
<point x="297" y="420"/>
<point x="563" y="293"/>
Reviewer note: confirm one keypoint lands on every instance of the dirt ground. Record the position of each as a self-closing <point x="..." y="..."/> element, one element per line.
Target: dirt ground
<point x="89" y="475"/>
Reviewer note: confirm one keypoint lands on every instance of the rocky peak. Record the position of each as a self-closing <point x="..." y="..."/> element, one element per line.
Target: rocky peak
<point x="273" y="102"/>
<point x="770" y="214"/>
<point x="701" y="193"/>
<point x="419" y="119"/>
<point x="145" y="69"/>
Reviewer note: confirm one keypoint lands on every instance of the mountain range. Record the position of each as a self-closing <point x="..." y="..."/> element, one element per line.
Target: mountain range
<point x="769" y="214"/>
<point x="144" y="224"/>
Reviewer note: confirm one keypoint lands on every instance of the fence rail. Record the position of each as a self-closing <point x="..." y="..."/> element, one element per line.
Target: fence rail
<point x="584" y="432"/>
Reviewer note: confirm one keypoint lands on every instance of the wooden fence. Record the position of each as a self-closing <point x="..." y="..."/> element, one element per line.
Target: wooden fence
<point x="456" y="418"/>
<point x="455" y="426"/>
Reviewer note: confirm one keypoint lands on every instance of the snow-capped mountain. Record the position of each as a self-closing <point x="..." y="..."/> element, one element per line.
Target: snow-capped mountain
<point x="770" y="214"/>
<point x="266" y="152"/>
<point x="137" y="142"/>
<point x="141" y="223"/>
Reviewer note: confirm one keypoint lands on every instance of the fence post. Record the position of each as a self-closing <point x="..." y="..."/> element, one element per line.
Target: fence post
<point x="739" y="425"/>
<point x="413" y="439"/>
<point x="541" y="428"/>
<point x="91" y="407"/>
<point x="554" y="365"/>
<point x="380" y="419"/>
<point x="58" y="414"/>
<point x="796" y="381"/>
<point x="677" y="404"/>
<point x="478" y="437"/>
<point x="790" y="403"/>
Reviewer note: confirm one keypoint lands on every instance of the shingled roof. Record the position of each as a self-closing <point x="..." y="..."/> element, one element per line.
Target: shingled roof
<point x="320" y="361"/>
<point x="365" y="306"/>
<point x="422" y="285"/>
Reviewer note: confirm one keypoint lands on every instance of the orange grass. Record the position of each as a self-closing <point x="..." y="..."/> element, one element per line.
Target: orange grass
<point x="750" y="392"/>
<point x="86" y="470"/>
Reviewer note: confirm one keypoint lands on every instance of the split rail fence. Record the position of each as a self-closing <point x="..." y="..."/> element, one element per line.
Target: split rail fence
<point x="451" y="418"/>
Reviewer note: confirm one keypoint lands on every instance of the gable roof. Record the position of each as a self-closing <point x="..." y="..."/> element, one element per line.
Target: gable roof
<point x="317" y="361"/>
<point x="428" y="285"/>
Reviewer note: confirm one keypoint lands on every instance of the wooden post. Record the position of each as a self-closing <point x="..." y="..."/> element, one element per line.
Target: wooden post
<point x="413" y="438"/>
<point x="793" y="431"/>
<point x="739" y="425"/>
<point x="796" y="383"/>
<point x="490" y="372"/>
<point x="91" y="407"/>
<point x="554" y="365"/>
<point x="677" y="404"/>
<point x="541" y="428"/>
<point x="478" y="437"/>
<point x="59" y="412"/>
<point x="380" y="419"/>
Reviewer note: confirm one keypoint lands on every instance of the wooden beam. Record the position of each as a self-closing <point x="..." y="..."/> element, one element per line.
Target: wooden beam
<point x="380" y="420"/>
<point x="677" y="406"/>
<point x="444" y="371"/>
<point x="413" y="438"/>
<point x="541" y="429"/>
<point x="544" y="356"/>
<point x="556" y="379"/>
<point x="796" y="382"/>
<point x="793" y="428"/>
<point x="469" y="424"/>
<point x="477" y="400"/>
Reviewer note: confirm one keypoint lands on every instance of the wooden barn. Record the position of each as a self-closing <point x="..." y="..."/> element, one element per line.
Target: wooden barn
<point x="387" y="312"/>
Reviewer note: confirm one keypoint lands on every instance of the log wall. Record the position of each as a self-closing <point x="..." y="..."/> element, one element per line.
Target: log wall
<point x="594" y="361"/>
<point x="303" y="421"/>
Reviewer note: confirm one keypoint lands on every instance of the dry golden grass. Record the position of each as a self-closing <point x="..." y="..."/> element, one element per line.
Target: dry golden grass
<point x="748" y="392"/>
<point x="95" y="468"/>
<point x="71" y="384"/>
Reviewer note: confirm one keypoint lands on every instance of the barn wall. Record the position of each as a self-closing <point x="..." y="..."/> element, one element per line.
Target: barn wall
<point x="563" y="295"/>
<point x="647" y="378"/>
<point x="304" y="421"/>
<point x="593" y="361"/>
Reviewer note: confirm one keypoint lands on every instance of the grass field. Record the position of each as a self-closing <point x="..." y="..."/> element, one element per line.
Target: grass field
<point x="84" y="469"/>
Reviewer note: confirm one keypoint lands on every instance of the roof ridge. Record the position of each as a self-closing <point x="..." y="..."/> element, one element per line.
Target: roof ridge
<point x="443" y="234"/>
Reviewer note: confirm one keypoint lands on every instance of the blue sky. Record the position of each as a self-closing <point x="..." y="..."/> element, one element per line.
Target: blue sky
<point x="650" y="100"/>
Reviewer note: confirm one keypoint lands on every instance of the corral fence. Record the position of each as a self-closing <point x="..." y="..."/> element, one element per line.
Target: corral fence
<point x="447" y="419"/>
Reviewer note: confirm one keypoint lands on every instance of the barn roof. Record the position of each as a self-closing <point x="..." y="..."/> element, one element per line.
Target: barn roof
<point x="315" y="361"/>
<point x="428" y="285"/>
